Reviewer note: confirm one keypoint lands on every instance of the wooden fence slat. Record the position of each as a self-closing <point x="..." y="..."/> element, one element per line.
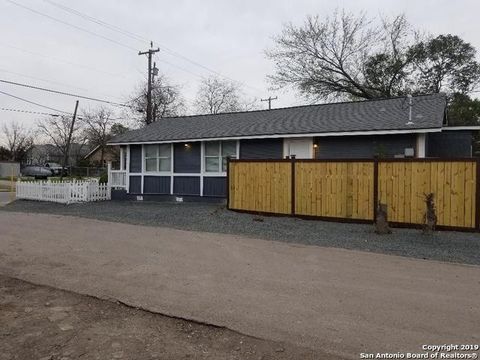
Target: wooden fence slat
<point x="343" y="189"/>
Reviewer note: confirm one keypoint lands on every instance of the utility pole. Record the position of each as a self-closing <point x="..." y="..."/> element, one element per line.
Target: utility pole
<point x="269" y="101"/>
<point x="151" y="75"/>
<point x="69" y="139"/>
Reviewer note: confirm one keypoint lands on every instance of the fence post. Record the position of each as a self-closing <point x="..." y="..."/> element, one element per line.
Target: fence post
<point x="292" y="165"/>
<point x="477" y="196"/>
<point x="375" y="188"/>
<point x="228" y="183"/>
<point x="109" y="174"/>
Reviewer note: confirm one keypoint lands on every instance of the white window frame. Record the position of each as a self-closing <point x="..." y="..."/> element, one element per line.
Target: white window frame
<point x="220" y="157"/>
<point x="158" y="158"/>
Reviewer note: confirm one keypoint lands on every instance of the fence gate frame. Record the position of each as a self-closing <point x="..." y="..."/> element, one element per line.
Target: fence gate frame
<point x="376" y="162"/>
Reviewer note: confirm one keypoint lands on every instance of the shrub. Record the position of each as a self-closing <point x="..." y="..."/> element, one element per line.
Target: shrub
<point x="103" y="178"/>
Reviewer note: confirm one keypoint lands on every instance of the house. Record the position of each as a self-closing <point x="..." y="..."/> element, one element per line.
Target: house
<point x="41" y="154"/>
<point x="111" y="154"/>
<point x="187" y="155"/>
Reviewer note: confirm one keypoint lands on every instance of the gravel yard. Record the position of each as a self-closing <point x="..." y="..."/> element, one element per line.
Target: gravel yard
<point x="444" y="246"/>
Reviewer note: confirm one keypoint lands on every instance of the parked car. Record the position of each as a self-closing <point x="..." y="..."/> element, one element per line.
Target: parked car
<point x="36" y="171"/>
<point x="56" y="169"/>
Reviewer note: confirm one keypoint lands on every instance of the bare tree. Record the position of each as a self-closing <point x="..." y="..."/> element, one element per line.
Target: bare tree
<point x="56" y="130"/>
<point x="352" y="56"/>
<point x="344" y="55"/>
<point x="19" y="140"/>
<point x="98" y="128"/>
<point x="166" y="100"/>
<point x="217" y="95"/>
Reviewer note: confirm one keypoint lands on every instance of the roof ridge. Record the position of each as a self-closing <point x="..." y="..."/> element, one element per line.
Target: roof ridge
<point x="298" y="106"/>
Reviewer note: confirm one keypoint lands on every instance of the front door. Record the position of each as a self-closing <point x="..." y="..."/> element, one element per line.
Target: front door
<point x="302" y="148"/>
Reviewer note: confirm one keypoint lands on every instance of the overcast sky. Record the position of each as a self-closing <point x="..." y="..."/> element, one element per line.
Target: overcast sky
<point x="228" y="37"/>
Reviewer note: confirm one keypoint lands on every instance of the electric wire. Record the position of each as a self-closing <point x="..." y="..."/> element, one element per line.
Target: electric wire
<point x="144" y="39"/>
<point x="33" y="103"/>
<point x="28" y="111"/>
<point x="63" y="93"/>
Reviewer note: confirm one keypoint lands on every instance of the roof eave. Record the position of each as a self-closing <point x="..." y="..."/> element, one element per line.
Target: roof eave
<point x="270" y="136"/>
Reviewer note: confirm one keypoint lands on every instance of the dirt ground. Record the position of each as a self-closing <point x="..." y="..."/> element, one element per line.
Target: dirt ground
<point x="331" y="300"/>
<point x="40" y="322"/>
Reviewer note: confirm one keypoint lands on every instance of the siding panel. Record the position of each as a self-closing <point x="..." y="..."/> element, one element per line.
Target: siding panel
<point x="350" y="147"/>
<point x="449" y="144"/>
<point x="261" y="149"/>
<point x="135" y="185"/>
<point x="156" y="185"/>
<point x="186" y="185"/>
<point x="215" y="186"/>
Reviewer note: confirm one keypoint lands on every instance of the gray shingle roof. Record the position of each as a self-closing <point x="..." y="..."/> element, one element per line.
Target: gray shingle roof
<point x="371" y="115"/>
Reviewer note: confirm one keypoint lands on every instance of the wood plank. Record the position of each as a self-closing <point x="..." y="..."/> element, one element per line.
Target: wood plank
<point x="468" y="194"/>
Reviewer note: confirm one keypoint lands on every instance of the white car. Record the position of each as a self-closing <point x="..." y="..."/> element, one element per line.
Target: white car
<point x="55" y="168"/>
<point x="36" y="171"/>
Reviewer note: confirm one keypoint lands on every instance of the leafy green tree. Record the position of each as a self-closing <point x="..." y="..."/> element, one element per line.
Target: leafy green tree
<point x="444" y="63"/>
<point x="463" y="110"/>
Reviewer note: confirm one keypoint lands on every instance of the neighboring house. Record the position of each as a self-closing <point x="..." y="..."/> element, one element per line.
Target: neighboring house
<point x="41" y="154"/>
<point x="187" y="155"/>
<point x="110" y="154"/>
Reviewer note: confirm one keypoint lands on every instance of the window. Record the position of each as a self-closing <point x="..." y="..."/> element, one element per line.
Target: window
<point x="157" y="157"/>
<point x="216" y="154"/>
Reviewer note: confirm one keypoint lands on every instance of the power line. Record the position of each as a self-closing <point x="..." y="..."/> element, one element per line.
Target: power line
<point x="49" y="81"/>
<point x="63" y="93"/>
<point x="33" y="103"/>
<point x="88" y="32"/>
<point x="143" y="39"/>
<point x="43" y="113"/>
<point x="97" y="21"/>
<point x="40" y="79"/>
<point x="62" y="60"/>
<point x="28" y="111"/>
<point x="71" y="25"/>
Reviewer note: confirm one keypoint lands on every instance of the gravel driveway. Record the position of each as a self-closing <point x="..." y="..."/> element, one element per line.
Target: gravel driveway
<point x="443" y="245"/>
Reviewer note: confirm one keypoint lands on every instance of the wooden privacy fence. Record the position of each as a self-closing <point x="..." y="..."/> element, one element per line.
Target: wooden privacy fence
<point x="350" y="189"/>
<point x="62" y="192"/>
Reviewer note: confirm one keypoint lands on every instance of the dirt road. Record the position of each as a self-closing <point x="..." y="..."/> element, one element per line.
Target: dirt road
<point x="41" y="322"/>
<point x="337" y="301"/>
<point x="6" y="197"/>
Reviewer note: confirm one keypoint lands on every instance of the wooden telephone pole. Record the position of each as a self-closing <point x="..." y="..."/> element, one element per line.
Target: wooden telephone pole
<point x="151" y="76"/>
<point x="69" y="139"/>
<point x="269" y="101"/>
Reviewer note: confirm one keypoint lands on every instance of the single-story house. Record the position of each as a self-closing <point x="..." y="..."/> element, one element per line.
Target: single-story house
<point x="43" y="153"/>
<point x="110" y="154"/>
<point x="186" y="155"/>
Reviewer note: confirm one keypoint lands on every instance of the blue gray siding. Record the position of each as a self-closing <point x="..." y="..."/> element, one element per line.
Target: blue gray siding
<point x="156" y="185"/>
<point x="449" y="144"/>
<point x="135" y="185"/>
<point x="186" y="185"/>
<point x="135" y="158"/>
<point x="215" y="186"/>
<point x="187" y="159"/>
<point x="261" y="149"/>
<point x="350" y="147"/>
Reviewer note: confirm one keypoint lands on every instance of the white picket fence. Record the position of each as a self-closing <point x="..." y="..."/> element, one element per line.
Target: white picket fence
<point x="63" y="192"/>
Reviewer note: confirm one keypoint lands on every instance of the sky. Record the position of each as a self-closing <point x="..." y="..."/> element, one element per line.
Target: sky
<point x="66" y="52"/>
